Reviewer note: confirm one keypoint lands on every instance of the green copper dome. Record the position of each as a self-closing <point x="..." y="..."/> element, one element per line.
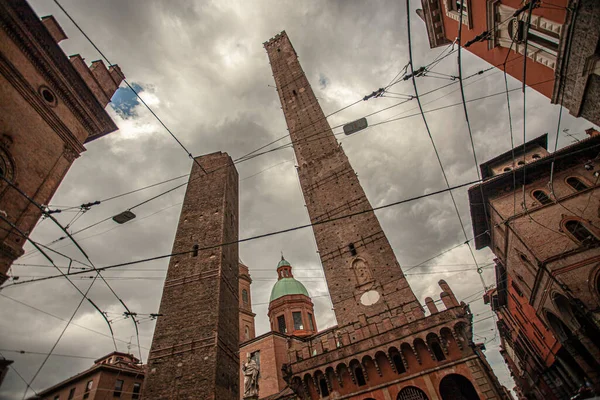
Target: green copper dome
<point x="287" y="286"/>
<point x="283" y="263"/>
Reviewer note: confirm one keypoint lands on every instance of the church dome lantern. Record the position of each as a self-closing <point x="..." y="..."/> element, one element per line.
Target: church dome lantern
<point x="291" y="310"/>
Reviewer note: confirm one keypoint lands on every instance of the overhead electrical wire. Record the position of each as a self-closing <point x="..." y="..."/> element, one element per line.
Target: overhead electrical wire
<point x="42" y="209"/>
<point x="131" y="87"/>
<point x="431" y="138"/>
<point x="265" y="234"/>
<point x="341" y="133"/>
<point x="462" y="95"/>
<point x="13" y="226"/>
<point x="59" y="338"/>
<point x="62" y="319"/>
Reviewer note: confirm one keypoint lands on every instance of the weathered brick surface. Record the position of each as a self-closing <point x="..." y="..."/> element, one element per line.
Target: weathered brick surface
<point x="331" y="189"/>
<point x="542" y="265"/>
<point x="377" y="350"/>
<point x="195" y="344"/>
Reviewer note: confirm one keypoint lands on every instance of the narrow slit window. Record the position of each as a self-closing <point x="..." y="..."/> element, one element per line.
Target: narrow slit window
<point x="297" y="316"/>
<point x="352" y="249"/>
<point x="281" y="324"/>
<point x="118" y="388"/>
<point x="324" y="387"/>
<point x="311" y="324"/>
<point x="195" y="251"/>
<point x="360" y="377"/>
<point x="137" y="387"/>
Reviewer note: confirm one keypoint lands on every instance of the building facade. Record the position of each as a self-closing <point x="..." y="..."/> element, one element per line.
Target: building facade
<point x="384" y="346"/>
<point x="51" y="106"/>
<point x="194" y="353"/>
<point x="116" y="375"/>
<point x="538" y="213"/>
<point x="563" y="61"/>
<point x="291" y="317"/>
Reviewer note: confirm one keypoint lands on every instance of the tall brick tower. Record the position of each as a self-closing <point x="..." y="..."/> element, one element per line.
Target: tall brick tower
<point x="384" y="347"/>
<point x="195" y="344"/>
<point x="363" y="275"/>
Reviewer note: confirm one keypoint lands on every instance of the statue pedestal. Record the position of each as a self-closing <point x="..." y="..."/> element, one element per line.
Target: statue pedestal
<point x="252" y="397"/>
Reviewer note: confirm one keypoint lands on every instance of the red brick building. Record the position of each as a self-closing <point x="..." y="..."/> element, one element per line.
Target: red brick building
<point x="384" y="346"/>
<point x="291" y="315"/>
<point x="116" y="375"/>
<point x="291" y="311"/>
<point x="538" y="213"/>
<point x="51" y="106"/>
<point x="563" y="62"/>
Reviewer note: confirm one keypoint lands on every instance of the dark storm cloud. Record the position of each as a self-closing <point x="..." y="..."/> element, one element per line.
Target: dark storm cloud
<point x="210" y="82"/>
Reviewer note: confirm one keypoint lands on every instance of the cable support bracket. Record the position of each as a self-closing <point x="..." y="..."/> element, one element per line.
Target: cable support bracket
<point x="378" y="93"/>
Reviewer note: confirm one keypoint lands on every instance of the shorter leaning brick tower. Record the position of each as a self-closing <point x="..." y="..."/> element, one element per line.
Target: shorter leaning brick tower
<point x="384" y="346"/>
<point x="194" y="353"/>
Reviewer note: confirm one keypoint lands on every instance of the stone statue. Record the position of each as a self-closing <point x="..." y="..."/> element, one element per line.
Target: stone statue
<point x="251" y="372"/>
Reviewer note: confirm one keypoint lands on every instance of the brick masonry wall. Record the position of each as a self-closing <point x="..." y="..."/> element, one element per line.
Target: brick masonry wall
<point x="195" y="344"/>
<point x="331" y="189"/>
<point x="535" y="243"/>
<point x="273" y="354"/>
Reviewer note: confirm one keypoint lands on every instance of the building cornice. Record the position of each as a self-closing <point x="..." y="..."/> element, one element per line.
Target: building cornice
<point x="28" y="33"/>
<point x="479" y="194"/>
<point x="95" y="368"/>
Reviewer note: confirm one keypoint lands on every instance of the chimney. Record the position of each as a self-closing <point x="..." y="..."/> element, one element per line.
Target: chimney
<point x="54" y="28"/>
<point x="431" y="305"/>
<point x="592" y="132"/>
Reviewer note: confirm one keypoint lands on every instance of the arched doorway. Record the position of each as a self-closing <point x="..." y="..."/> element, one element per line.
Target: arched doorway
<point x="457" y="387"/>
<point x="412" y="393"/>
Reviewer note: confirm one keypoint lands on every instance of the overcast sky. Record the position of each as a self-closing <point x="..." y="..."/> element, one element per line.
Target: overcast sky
<point x="202" y="68"/>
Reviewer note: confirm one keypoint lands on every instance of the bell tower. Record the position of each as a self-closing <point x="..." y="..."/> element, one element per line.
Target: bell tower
<point x="363" y="275"/>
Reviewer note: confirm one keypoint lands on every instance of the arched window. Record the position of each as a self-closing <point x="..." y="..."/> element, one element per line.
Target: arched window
<point x="507" y="169"/>
<point x="576" y="184"/>
<point x="412" y="393"/>
<point x="397" y="360"/>
<point x="245" y="297"/>
<point x="323" y="387"/>
<point x="360" y="377"/>
<point x="536" y="156"/>
<point x="581" y="233"/>
<point x="247" y="333"/>
<point x="521" y="163"/>
<point x="541" y="197"/>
